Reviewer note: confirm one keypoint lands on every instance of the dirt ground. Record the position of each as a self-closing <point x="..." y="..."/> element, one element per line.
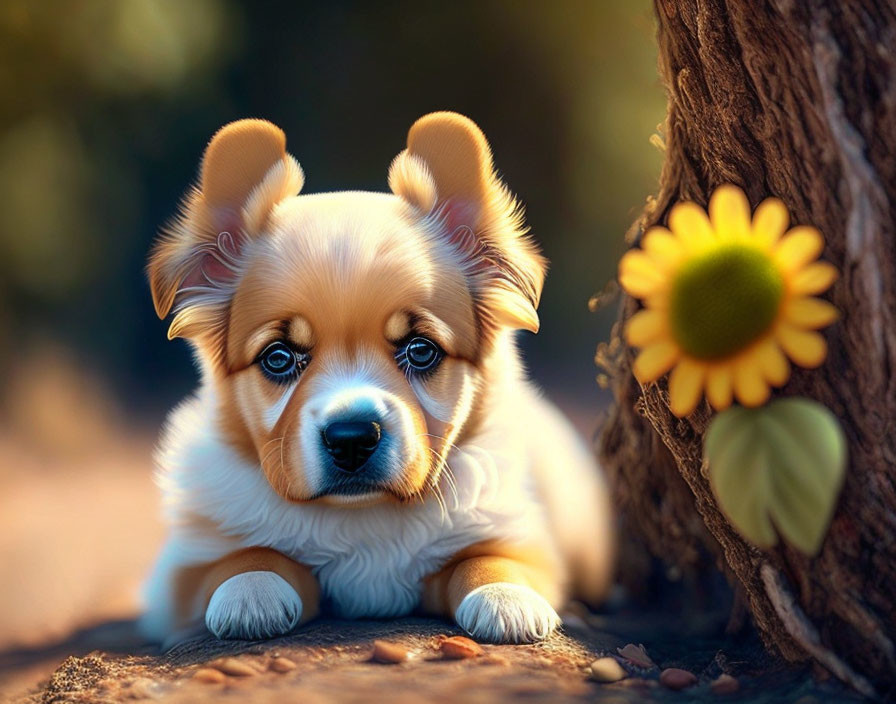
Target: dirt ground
<point x="78" y="530"/>
<point x="330" y="661"/>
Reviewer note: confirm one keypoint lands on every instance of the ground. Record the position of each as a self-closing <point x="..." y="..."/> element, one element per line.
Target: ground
<point x="78" y="530"/>
<point x="332" y="662"/>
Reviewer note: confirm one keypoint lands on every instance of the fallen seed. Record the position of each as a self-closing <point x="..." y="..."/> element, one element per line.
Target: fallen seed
<point x="389" y="653"/>
<point x="209" y="675"/>
<point x="460" y="648"/>
<point x="234" y="667"/>
<point x="724" y="684"/>
<point x="282" y="664"/>
<point x="607" y="670"/>
<point x="636" y="654"/>
<point x="674" y="678"/>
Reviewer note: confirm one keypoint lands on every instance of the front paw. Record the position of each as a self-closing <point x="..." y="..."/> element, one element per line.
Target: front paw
<point x="253" y="606"/>
<point x="506" y="613"/>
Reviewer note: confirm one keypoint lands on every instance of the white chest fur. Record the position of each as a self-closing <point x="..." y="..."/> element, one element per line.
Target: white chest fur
<point x="371" y="560"/>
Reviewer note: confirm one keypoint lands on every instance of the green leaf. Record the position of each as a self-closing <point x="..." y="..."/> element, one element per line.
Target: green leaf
<point x="780" y="467"/>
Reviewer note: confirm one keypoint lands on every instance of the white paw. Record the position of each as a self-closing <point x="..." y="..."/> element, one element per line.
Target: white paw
<point x="506" y="613"/>
<point x="252" y="606"/>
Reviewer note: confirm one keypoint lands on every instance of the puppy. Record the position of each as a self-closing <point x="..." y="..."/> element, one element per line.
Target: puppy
<point x="364" y="440"/>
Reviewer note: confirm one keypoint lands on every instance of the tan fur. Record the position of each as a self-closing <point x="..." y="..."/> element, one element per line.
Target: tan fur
<point x="248" y="264"/>
<point x="237" y="159"/>
<point x="245" y="171"/>
<point x="534" y="566"/>
<point x="194" y="585"/>
<point x="339" y="320"/>
<point x="397" y="326"/>
<point x="459" y="159"/>
<point x="300" y="332"/>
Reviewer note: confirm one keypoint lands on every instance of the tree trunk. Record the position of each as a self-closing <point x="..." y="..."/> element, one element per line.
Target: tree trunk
<point x="795" y="99"/>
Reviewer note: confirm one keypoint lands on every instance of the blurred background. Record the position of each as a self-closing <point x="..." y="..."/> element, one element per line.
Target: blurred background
<point x="107" y="106"/>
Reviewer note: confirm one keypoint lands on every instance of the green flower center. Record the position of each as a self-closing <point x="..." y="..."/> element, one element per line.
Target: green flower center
<point x="724" y="300"/>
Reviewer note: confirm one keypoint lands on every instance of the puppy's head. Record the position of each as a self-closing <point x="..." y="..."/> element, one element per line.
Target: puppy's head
<point x="348" y="335"/>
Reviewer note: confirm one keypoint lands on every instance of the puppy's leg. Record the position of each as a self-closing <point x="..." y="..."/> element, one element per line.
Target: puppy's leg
<point x="501" y="598"/>
<point x="250" y="594"/>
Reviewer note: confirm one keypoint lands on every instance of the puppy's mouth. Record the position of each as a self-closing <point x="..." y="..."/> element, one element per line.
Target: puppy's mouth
<point x="360" y="490"/>
<point x="354" y="486"/>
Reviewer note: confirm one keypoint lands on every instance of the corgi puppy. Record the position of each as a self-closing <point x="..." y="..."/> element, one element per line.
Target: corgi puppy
<point x="364" y="441"/>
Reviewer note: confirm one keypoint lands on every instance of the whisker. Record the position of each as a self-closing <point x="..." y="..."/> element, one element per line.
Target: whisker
<point x="443" y="467"/>
<point x="265" y="456"/>
<point x="436" y="489"/>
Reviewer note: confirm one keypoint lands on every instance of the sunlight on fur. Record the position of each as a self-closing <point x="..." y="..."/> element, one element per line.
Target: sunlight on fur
<point x="364" y="436"/>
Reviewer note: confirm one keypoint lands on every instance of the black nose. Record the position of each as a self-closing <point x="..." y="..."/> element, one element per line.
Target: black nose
<point x="351" y="443"/>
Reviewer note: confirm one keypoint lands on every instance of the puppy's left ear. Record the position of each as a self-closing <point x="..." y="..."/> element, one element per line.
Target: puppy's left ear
<point x="195" y="266"/>
<point x="447" y="173"/>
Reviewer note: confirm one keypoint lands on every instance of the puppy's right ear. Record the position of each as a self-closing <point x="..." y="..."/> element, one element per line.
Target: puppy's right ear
<point x="195" y="265"/>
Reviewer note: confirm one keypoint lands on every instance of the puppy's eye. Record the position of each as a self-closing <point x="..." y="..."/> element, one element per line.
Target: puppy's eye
<point x="419" y="355"/>
<point x="280" y="363"/>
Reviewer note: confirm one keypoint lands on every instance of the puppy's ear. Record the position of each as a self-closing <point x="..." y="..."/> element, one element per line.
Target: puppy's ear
<point x="447" y="173"/>
<point x="195" y="265"/>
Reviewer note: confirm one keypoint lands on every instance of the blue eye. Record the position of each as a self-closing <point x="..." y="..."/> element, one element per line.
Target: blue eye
<point x="419" y="355"/>
<point x="280" y="363"/>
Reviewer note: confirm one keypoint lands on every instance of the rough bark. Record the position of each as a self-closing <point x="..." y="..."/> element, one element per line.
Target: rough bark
<point x="798" y="100"/>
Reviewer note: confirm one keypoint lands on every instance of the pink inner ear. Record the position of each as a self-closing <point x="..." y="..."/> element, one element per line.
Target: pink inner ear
<point x="458" y="213"/>
<point x="216" y="263"/>
<point x="460" y="218"/>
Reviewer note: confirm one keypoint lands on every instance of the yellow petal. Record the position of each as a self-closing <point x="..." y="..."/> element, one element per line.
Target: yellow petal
<point x="644" y="327"/>
<point x="769" y="222"/>
<point x="686" y="386"/>
<point x="811" y="313"/>
<point x="690" y="225"/>
<point x="814" y="278"/>
<point x="729" y="212"/>
<point x="662" y="246"/>
<point x="654" y="361"/>
<point x="750" y="387"/>
<point x="798" y="247"/>
<point x="772" y="362"/>
<point x="719" y="386"/>
<point x="638" y="274"/>
<point x="806" y="348"/>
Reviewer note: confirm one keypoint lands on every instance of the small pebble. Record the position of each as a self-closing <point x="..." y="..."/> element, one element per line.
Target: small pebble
<point x="209" y="675"/>
<point x="674" y="678"/>
<point x="460" y="648"/>
<point x="607" y="670"/>
<point x="282" y="664"/>
<point x="724" y="684"/>
<point x="636" y="654"/>
<point x="389" y="653"/>
<point x="234" y="667"/>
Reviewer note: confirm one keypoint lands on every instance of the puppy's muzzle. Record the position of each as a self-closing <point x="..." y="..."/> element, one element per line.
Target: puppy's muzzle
<point x="351" y="443"/>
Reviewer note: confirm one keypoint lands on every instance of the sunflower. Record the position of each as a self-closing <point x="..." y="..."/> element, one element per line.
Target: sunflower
<point x="727" y="301"/>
